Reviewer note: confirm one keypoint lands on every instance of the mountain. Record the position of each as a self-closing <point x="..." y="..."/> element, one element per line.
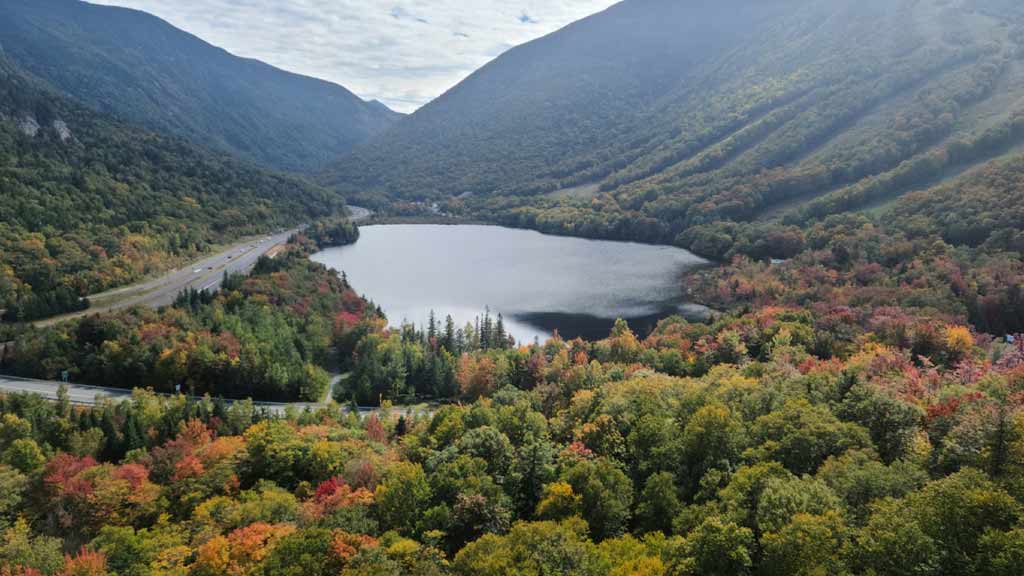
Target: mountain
<point x="711" y="123"/>
<point x="141" y="69"/>
<point x="88" y="203"/>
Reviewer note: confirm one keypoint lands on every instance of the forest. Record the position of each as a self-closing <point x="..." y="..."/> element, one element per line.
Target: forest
<point x="139" y="68"/>
<point x="87" y="203"/>
<point x="846" y="424"/>
<point x="846" y="412"/>
<point x="897" y="117"/>
<point x="267" y="336"/>
<point x="854" y="405"/>
<point x="763" y="107"/>
<point x="736" y="447"/>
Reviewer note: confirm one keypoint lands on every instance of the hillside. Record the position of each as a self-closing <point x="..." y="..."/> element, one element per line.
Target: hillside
<point x="141" y="69"/>
<point x="87" y="203"/>
<point x="673" y="121"/>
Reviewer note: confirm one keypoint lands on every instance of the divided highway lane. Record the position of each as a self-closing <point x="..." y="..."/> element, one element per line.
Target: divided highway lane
<point x="205" y="274"/>
<point x="77" y="394"/>
<point x="82" y="395"/>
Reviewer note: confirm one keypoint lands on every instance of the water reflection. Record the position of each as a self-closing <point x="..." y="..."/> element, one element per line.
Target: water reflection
<point x="538" y="283"/>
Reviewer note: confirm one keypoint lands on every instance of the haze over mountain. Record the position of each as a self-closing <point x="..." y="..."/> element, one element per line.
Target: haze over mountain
<point x="141" y="69"/>
<point x="661" y="120"/>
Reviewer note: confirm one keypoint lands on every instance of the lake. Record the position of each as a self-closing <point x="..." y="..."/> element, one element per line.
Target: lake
<point x="538" y="283"/>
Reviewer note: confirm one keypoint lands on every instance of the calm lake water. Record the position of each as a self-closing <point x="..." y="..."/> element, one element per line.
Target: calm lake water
<point x="538" y="283"/>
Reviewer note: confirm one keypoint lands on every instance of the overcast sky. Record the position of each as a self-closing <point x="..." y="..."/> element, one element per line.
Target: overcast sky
<point x="401" y="52"/>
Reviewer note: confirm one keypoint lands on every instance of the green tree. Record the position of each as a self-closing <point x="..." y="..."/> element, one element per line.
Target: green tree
<point x="12" y="489"/>
<point x="606" y="496"/>
<point x="716" y="548"/>
<point x="893" y="424"/>
<point x="741" y="498"/>
<point x="957" y="511"/>
<point x="1001" y="553"/>
<point x="713" y="438"/>
<point x="859" y="479"/>
<point x="532" y="469"/>
<point x="802" y="436"/>
<point x="401" y="497"/>
<point x="24" y="455"/>
<point x="784" y="498"/>
<point x="809" y="545"/>
<point x="19" y="548"/>
<point x="13" y="427"/>
<point x="306" y="552"/>
<point x="892" y="543"/>
<point x="659" y="504"/>
<point x="531" y="548"/>
<point x="275" y="452"/>
<point x="131" y="552"/>
<point x="492" y="447"/>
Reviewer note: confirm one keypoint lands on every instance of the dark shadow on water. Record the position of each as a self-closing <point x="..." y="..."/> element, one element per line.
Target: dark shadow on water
<point x="588" y="327"/>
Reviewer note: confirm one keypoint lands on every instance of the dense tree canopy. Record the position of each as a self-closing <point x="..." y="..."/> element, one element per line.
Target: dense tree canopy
<point x="770" y="442"/>
<point x="87" y="203"/>
<point x="853" y="406"/>
<point x="267" y="336"/>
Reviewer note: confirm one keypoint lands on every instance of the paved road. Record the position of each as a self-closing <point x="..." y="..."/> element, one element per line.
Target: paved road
<point x="82" y="395"/>
<point x="206" y="274"/>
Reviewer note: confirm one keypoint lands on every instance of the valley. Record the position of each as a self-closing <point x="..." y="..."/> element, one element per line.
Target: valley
<point x="680" y="288"/>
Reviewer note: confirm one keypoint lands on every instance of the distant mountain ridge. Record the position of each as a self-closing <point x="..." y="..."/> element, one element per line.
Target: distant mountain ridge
<point x="141" y="69"/>
<point x="512" y="121"/>
<point x="715" y="124"/>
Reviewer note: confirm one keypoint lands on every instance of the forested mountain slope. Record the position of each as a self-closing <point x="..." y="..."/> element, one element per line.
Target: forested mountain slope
<point x="702" y="122"/>
<point x="87" y="203"/>
<point x="558" y="97"/>
<point x="141" y="69"/>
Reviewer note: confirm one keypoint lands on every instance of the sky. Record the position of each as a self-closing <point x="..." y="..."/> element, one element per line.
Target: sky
<point x="401" y="52"/>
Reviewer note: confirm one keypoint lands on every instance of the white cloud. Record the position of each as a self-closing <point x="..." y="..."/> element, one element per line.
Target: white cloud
<point x="401" y="52"/>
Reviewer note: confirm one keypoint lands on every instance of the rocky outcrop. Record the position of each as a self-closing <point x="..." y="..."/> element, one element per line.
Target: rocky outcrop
<point x="28" y="126"/>
<point x="63" y="132"/>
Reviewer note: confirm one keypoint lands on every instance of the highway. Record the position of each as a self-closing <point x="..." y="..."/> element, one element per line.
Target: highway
<point x="82" y="395"/>
<point x="205" y="274"/>
<point x="78" y="394"/>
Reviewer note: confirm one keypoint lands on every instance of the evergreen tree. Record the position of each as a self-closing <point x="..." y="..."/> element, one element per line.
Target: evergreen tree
<point x="502" y="337"/>
<point x="487" y="331"/>
<point x="431" y="327"/>
<point x="449" y="335"/>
